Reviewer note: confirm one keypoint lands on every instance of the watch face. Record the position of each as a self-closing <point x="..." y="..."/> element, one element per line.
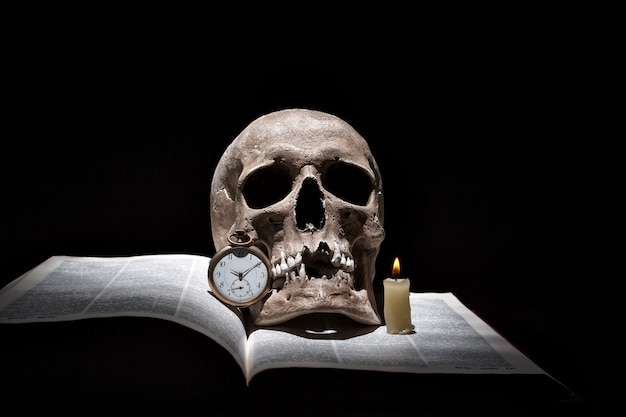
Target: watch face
<point x="239" y="276"/>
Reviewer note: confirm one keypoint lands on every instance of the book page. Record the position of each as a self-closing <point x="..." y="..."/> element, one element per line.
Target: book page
<point x="448" y="338"/>
<point x="171" y="287"/>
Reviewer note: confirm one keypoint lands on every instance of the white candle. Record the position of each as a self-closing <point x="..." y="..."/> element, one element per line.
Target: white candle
<point x="397" y="309"/>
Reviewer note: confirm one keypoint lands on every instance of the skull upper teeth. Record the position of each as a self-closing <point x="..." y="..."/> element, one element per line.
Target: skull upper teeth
<point x="292" y="267"/>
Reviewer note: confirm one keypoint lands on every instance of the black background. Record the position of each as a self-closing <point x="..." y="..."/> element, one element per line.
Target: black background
<point x="489" y="155"/>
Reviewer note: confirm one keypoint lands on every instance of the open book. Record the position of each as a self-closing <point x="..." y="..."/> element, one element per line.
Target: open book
<point x="448" y="337"/>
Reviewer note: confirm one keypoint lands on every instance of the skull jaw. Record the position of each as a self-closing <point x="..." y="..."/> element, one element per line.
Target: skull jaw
<point x="316" y="295"/>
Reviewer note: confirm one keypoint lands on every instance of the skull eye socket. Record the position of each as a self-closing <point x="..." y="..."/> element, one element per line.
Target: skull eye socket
<point x="348" y="182"/>
<point x="267" y="186"/>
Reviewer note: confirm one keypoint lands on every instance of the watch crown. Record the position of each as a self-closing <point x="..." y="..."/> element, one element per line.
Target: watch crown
<point x="239" y="238"/>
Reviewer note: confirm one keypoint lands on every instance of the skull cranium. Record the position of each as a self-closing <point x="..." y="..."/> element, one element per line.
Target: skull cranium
<point x="305" y="186"/>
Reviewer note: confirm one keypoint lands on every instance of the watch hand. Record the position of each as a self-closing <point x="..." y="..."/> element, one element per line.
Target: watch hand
<point x="232" y="271"/>
<point x="244" y="273"/>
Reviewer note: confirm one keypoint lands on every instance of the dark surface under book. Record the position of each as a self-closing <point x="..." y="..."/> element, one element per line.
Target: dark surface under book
<point x="129" y="365"/>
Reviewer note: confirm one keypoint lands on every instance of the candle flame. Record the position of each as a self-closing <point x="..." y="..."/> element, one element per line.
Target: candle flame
<point x="395" y="270"/>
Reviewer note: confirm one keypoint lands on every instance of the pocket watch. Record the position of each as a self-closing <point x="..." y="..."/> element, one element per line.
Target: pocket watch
<point x="240" y="274"/>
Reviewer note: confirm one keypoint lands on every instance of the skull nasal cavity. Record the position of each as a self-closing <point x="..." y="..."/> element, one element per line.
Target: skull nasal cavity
<point x="309" y="207"/>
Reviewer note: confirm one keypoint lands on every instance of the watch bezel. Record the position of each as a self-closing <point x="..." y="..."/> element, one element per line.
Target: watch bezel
<point x="224" y="252"/>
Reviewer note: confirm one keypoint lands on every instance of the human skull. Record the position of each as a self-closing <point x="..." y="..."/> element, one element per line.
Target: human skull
<point x="305" y="186"/>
